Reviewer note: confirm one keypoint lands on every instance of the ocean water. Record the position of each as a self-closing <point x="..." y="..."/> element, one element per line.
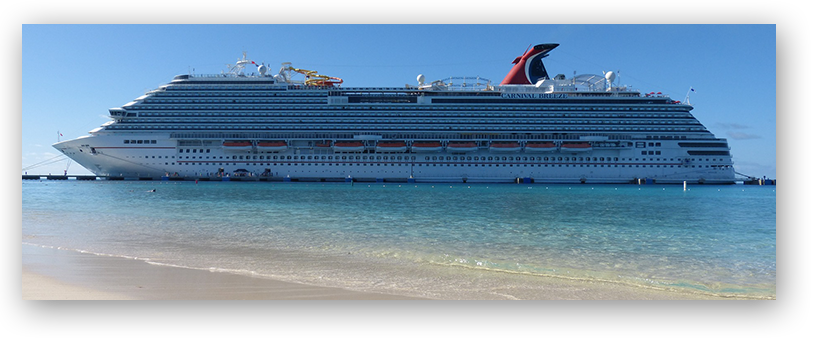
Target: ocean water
<point x="430" y="240"/>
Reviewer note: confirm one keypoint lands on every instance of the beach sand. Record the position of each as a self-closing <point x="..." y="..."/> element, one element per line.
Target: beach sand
<point x="54" y="274"/>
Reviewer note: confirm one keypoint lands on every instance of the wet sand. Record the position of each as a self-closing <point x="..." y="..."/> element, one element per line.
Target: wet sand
<point x="54" y="274"/>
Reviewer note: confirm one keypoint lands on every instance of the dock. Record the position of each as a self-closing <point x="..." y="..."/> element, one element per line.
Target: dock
<point x="202" y="178"/>
<point x="760" y="181"/>
<point x="60" y="177"/>
<point x="753" y="180"/>
<point x="643" y="181"/>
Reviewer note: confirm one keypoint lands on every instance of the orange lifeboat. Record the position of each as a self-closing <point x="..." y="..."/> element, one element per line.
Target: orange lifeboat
<point x="323" y="144"/>
<point x="238" y="145"/>
<point x="576" y="147"/>
<point x="504" y="147"/>
<point x="540" y="147"/>
<point x="391" y="147"/>
<point x="272" y="146"/>
<point x="348" y="146"/>
<point x="426" y="146"/>
<point x="461" y="146"/>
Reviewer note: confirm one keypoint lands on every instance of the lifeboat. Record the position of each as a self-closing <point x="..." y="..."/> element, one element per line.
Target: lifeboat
<point x="540" y="147"/>
<point x="391" y="147"/>
<point x="237" y="145"/>
<point x="427" y="146"/>
<point x="348" y="146"/>
<point x="461" y="147"/>
<point x="323" y="144"/>
<point x="576" y="147"/>
<point x="272" y="146"/>
<point x="504" y="147"/>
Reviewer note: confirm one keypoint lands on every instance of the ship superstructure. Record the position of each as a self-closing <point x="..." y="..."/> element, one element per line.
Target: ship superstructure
<point x="299" y="125"/>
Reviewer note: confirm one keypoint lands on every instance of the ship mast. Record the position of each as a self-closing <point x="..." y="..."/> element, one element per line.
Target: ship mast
<point x="238" y="68"/>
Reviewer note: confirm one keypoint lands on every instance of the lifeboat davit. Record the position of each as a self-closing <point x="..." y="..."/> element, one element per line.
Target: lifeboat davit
<point x="427" y="146"/>
<point x="272" y="146"/>
<point x="540" y="147"/>
<point x="391" y="147"/>
<point x="237" y="145"/>
<point x="576" y="147"/>
<point x="461" y="147"/>
<point x="348" y="146"/>
<point x="504" y="147"/>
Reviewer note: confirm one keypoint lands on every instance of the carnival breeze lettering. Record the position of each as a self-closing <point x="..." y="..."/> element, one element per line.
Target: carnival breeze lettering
<point x="535" y="96"/>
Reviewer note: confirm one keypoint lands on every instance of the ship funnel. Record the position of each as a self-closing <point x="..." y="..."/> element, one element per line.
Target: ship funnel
<point x="528" y="68"/>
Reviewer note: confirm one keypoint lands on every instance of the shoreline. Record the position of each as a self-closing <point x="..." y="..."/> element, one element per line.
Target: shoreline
<point x="57" y="274"/>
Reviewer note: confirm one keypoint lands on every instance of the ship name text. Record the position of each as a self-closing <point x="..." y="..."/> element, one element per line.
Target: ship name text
<point x="534" y="96"/>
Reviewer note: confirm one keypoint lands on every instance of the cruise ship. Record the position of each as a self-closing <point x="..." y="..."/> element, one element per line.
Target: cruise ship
<point x="298" y="125"/>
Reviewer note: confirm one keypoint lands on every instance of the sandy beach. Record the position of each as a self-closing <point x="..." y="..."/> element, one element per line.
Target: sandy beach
<point x="54" y="274"/>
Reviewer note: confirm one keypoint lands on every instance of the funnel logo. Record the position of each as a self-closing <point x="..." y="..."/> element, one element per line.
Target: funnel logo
<point x="528" y="68"/>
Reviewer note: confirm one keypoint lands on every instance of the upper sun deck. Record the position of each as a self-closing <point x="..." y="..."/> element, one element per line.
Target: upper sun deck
<point x="536" y="85"/>
<point x="580" y="87"/>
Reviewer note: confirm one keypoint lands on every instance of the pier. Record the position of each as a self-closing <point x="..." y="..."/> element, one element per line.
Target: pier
<point x="752" y="180"/>
<point x="760" y="181"/>
<point x="61" y="177"/>
<point x="254" y="178"/>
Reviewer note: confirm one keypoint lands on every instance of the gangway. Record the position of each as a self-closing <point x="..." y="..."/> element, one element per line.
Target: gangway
<point x="752" y="180"/>
<point x="747" y="176"/>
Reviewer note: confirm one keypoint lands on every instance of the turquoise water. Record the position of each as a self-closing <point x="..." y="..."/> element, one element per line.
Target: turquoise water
<point x="423" y="239"/>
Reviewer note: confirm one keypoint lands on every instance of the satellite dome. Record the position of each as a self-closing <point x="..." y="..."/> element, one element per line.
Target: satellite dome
<point x="421" y="79"/>
<point x="262" y="69"/>
<point x="610" y="76"/>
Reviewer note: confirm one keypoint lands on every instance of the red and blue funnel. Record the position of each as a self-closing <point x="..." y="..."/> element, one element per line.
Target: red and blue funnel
<point x="528" y="69"/>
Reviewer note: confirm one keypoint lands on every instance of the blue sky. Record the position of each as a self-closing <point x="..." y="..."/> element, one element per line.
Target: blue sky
<point x="71" y="74"/>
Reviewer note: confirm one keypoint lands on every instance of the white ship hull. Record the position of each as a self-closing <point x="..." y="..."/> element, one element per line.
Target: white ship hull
<point x="167" y="159"/>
